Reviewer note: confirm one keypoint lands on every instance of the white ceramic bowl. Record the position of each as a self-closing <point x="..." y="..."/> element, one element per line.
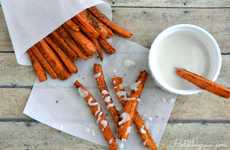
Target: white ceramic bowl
<point x="203" y="36"/>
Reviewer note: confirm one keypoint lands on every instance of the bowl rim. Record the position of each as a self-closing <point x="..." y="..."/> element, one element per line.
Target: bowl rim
<point x="166" y="31"/>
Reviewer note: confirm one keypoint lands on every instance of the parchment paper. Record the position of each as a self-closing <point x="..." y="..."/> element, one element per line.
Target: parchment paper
<point x="58" y="104"/>
<point x="29" y="21"/>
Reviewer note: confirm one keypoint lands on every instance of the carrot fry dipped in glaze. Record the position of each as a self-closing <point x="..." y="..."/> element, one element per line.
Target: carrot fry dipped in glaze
<point x="71" y="43"/>
<point x="53" y="60"/>
<point x="100" y="117"/>
<point x="100" y="79"/>
<point x="107" y="46"/>
<point x="43" y="62"/>
<point x="71" y="67"/>
<point x="81" y="39"/>
<point x="203" y="83"/>
<point x="130" y="106"/>
<point x="142" y="130"/>
<point x="116" y="28"/>
<point x="83" y="20"/>
<point x="39" y="71"/>
<point x="64" y="46"/>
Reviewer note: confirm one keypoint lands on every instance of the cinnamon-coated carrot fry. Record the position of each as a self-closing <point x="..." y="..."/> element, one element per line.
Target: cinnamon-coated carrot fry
<point x="100" y="79"/>
<point x="99" y="49"/>
<point x="107" y="46"/>
<point x="71" y="67"/>
<point x="81" y="39"/>
<point x="98" y="114"/>
<point x="63" y="45"/>
<point x="142" y="130"/>
<point x="40" y="72"/>
<point x="203" y="83"/>
<point x="53" y="60"/>
<point x="71" y="43"/>
<point x="43" y="62"/>
<point x="83" y="20"/>
<point x="116" y="28"/>
<point x="102" y="29"/>
<point x="130" y="106"/>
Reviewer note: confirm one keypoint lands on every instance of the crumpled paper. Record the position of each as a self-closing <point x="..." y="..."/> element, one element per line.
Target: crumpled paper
<point x="29" y="21"/>
<point x="57" y="103"/>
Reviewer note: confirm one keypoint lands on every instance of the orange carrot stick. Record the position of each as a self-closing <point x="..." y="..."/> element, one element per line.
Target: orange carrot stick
<point x="203" y="83"/>
<point x="130" y="106"/>
<point x="100" y="79"/>
<point x="53" y="60"/>
<point x="83" y="20"/>
<point x="63" y="45"/>
<point x="99" y="49"/>
<point x="71" y="43"/>
<point x="142" y="130"/>
<point x="106" y="45"/>
<point x="71" y="67"/>
<point x="98" y="114"/>
<point x="81" y="39"/>
<point x="116" y="28"/>
<point x="43" y="62"/>
<point x="40" y="72"/>
<point x="102" y="29"/>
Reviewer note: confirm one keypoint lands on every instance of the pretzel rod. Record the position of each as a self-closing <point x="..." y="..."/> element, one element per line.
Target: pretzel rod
<point x="97" y="112"/>
<point x="83" y="20"/>
<point x="102" y="29"/>
<point x="71" y="67"/>
<point x="81" y="39"/>
<point x="130" y="106"/>
<point x="116" y="28"/>
<point x="100" y="79"/>
<point x="203" y="83"/>
<point x="142" y="130"/>
<point x="43" y="62"/>
<point x="106" y="45"/>
<point x="39" y="71"/>
<point x="71" y="43"/>
<point x="63" y="45"/>
<point x="53" y="60"/>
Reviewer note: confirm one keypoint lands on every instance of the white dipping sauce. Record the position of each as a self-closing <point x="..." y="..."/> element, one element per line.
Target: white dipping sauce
<point x="184" y="50"/>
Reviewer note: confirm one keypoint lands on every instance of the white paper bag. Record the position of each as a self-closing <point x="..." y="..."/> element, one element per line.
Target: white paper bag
<point x="29" y="21"/>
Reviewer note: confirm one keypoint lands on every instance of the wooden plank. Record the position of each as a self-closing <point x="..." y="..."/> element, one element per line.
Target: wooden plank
<point x="13" y="74"/>
<point x="171" y="3"/>
<point x="147" y="23"/>
<point x="35" y="136"/>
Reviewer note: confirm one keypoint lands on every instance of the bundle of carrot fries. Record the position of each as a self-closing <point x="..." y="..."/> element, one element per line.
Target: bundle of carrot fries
<point x="122" y="120"/>
<point x="79" y="38"/>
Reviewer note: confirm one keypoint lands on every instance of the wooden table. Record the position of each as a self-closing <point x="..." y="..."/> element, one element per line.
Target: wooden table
<point x="201" y="120"/>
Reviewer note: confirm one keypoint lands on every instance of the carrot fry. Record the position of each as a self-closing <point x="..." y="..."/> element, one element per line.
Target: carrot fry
<point x="130" y="106"/>
<point x="203" y="83"/>
<point x="83" y="20"/>
<point x="107" y="46"/>
<point x="81" y="39"/>
<point x="53" y="60"/>
<point x="116" y="28"/>
<point x="39" y="71"/>
<point x="63" y="45"/>
<point x="43" y="62"/>
<point x="142" y="130"/>
<point x="71" y="43"/>
<point x="98" y="114"/>
<point x="100" y="79"/>
<point x="102" y="29"/>
<point x="99" y="49"/>
<point x="71" y="67"/>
